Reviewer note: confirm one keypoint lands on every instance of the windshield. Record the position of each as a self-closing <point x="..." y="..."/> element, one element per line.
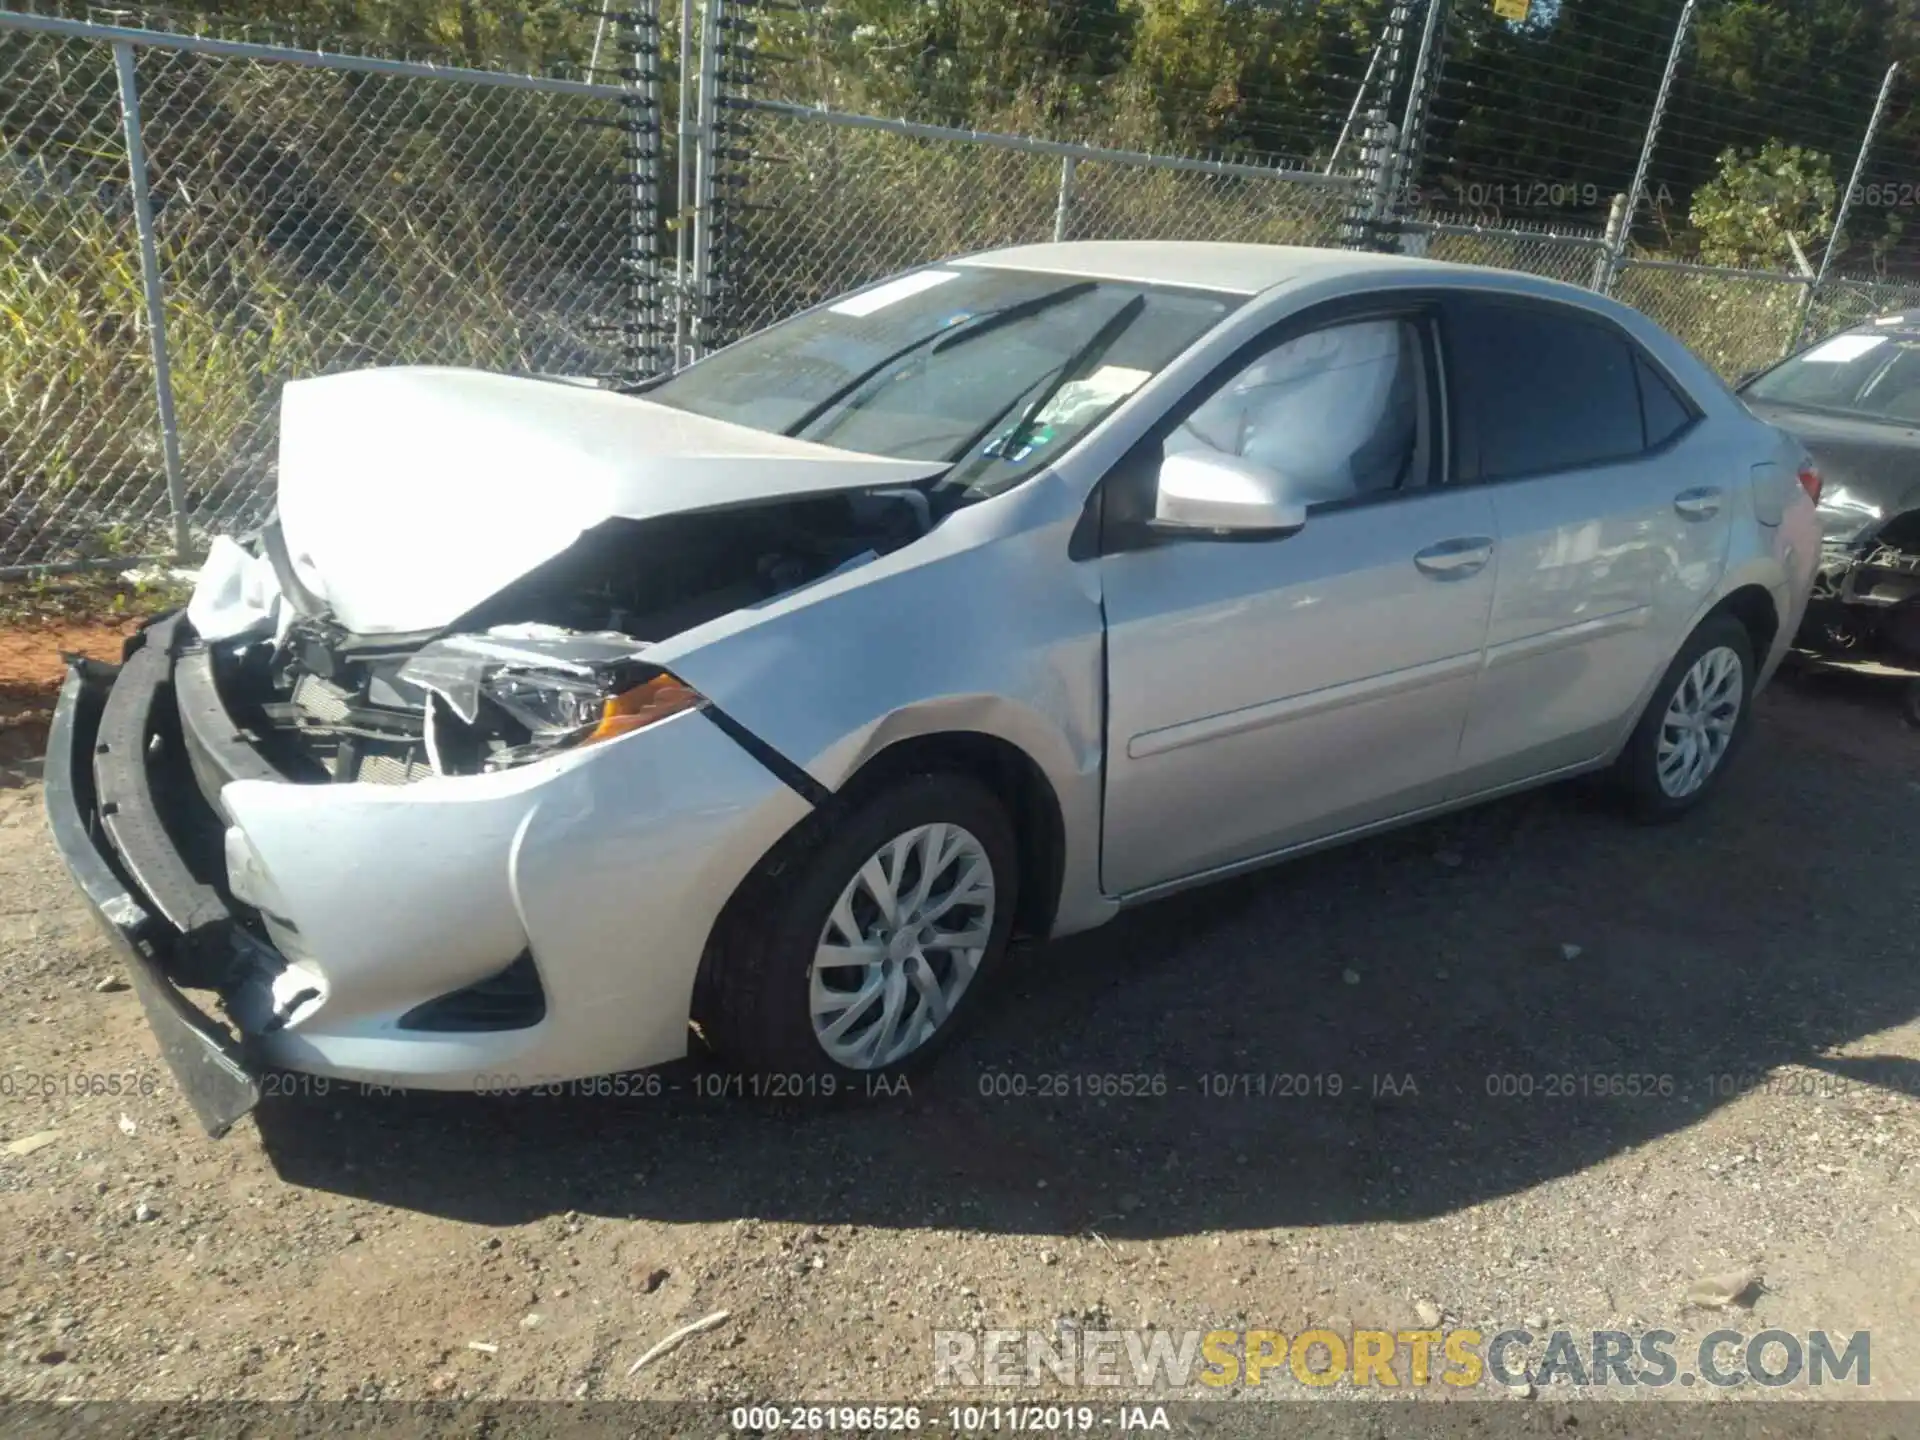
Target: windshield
<point x="1871" y="373"/>
<point x="994" y="372"/>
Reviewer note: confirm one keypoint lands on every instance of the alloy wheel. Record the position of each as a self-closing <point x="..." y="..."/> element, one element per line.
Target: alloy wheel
<point x="901" y="945"/>
<point x="1699" y="722"/>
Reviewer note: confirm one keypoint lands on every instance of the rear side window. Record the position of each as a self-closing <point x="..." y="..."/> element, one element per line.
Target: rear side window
<point x="1665" y="413"/>
<point x="1540" y="389"/>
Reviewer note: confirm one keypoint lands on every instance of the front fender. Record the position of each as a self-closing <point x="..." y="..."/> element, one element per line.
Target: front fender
<point x="983" y="626"/>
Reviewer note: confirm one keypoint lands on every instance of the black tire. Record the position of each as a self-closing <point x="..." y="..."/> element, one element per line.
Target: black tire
<point x="1636" y="773"/>
<point x="753" y="1002"/>
<point x="1910" y="703"/>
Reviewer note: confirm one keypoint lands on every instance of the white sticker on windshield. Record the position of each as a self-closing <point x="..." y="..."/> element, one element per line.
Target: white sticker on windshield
<point x="1081" y="398"/>
<point x="881" y="296"/>
<point x="1842" y="348"/>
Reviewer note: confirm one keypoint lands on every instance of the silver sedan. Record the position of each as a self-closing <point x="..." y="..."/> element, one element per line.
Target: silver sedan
<point x="547" y="726"/>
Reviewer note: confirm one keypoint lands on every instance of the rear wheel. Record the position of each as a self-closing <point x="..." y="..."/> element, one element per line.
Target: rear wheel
<point x="1693" y="725"/>
<point x="860" y="944"/>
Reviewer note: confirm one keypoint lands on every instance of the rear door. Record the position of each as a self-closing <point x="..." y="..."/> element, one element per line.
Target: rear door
<point x="1612" y="504"/>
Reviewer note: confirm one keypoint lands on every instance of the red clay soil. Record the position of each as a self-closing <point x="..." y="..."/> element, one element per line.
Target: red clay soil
<point x="31" y="672"/>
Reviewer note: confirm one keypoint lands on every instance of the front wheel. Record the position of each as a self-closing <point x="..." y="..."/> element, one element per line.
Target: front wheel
<point x="859" y="944"/>
<point x="1693" y="725"/>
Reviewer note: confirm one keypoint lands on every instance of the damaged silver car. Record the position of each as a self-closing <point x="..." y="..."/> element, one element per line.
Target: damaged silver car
<point x="547" y="727"/>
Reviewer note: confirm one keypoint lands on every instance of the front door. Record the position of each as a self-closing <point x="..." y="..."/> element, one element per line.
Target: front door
<point x="1263" y="693"/>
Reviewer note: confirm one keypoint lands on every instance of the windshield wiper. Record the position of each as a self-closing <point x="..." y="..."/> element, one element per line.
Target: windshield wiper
<point x="972" y="328"/>
<point x="1097" y="345"/>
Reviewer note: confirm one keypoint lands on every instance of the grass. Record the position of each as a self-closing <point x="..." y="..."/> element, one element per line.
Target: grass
<point x="95" y="597"/>
<point x="307" y="222"/>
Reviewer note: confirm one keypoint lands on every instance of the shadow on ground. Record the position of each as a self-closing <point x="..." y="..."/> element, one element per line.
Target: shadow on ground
<point x="1387" y="1032"/>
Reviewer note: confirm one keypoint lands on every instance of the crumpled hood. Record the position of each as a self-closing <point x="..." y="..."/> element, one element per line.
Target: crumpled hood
<point x="409" y="495"/>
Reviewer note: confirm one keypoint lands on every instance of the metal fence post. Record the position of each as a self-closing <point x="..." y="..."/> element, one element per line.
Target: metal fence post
<point x="1362" y="228"/>
<point x="155" y="294"/>
<point x="1846" y="205"/>
<point x="640" y="107"/>
<point x="705" y="111"/>
<point x="1610" y="242"/>
<point x="1638" y="190"/>
<point x="1411" y="142"/>
<point x="1353" y="110"/>
<point x="1063" y="207"/>
<point x="682" y="179"/>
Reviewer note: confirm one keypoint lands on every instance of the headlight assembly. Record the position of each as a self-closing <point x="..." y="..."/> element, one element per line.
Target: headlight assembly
<point x="502" y="699"/>
<point x="548" y="705"/>
<point x="565" y="712"/>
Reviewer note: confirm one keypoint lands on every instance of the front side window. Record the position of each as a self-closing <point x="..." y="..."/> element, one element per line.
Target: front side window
<point x="1541" y="390"/>
<point x="994" y="372"/>
<point x="1336" y="412"/>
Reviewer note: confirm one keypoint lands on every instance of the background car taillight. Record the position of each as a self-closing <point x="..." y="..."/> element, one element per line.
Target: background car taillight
<point x="1810" y="481"/>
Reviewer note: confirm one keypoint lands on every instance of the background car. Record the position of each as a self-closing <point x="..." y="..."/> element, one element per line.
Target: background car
<point x="1854" y="401"/>
<point x="985" y="601"/>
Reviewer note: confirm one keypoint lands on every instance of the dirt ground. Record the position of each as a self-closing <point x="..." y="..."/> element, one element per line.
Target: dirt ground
<point x="86" y="614"/>
<point x="1761" y="956"/>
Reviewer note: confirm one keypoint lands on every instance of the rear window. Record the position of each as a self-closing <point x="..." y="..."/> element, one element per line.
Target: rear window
<point x="1541" y="389"/>
<point x="1664" y="412"/>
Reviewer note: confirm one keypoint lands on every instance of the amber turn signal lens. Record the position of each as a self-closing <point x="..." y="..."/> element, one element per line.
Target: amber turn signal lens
<point x="642" y="706"/>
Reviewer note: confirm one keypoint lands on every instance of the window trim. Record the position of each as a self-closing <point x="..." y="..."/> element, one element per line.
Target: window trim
<point x="1688" y="406"/>
<point x="1420" y="308"/>
<point x="1466" y="459"/>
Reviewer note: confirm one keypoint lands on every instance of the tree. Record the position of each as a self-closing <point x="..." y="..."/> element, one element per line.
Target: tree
<point x="1763" y="207"/>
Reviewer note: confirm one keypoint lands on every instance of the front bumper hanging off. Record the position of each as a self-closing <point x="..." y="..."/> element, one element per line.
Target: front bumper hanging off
<point x="107" y="826"/>
<point x="538" y="924"/>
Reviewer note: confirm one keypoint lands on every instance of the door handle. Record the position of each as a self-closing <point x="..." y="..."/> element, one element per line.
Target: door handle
<point x="1700" y="503"/>
<point x="1455" y="559"/>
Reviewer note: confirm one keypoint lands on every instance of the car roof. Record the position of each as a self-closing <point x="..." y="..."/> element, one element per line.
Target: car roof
<point x="1904" y="323"/>
<point x="1201" y="264"/>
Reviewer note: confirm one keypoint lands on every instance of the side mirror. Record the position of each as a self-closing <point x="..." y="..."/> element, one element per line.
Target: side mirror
<point x="1206" y="492"/>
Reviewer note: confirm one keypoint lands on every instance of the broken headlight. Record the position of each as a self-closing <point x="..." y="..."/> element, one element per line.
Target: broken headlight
<point x="568" y="711"/>
<point x="520" y="693"/>
<point x="548" y="705"/>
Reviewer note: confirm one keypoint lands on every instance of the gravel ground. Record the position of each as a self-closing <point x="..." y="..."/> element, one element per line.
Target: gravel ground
<point x="1759" y="956"/>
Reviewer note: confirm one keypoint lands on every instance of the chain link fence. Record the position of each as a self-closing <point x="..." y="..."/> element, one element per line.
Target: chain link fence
<point x="821" y="202"/>
<point x="282" y="213"/>
<point x="1573" y="255"/>
<point x="307" y="214"/>
<point x="81" y="470"/>
<point x="1735" y="320"/>
<point x="1844" y="300"/>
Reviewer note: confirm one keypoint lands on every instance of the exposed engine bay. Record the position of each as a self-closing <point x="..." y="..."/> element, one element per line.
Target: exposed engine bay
<point x="555" y="659"/>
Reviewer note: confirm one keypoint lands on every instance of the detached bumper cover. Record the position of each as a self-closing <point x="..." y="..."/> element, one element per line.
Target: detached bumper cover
<point x="206" y="1058"/>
